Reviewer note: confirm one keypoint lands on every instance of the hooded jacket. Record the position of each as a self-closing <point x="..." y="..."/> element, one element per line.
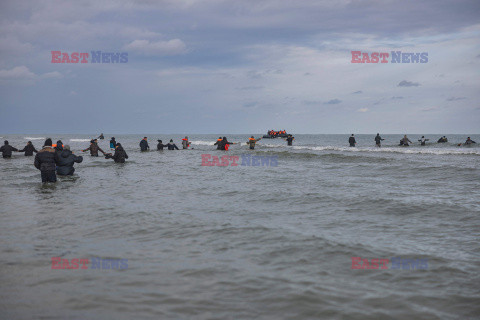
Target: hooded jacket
<point x="120" y="155"/>
<point x="46" y="159"/>
<point x="144" y="145"/>
<point x="94" y="148"/>
<point x="66" y="159"/>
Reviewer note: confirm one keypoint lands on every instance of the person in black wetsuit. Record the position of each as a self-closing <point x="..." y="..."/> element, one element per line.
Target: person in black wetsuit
<point x="290" y="139"/>
<point x="224" y="143"/>
<point x="352" y="141"/>
<point x="144" y="145"/>
<point x="160" y="145"/>
<point x="171" y="145"/>
<point x="101" y="137"/>
<point x="7" y="149"/>
<point x="29" y="149"/>
<point x="66" y="159"/>
<point x="46" y="161"/>
<point x="119" y="156"/>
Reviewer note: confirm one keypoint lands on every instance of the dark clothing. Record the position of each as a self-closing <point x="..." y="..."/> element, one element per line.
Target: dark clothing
<point x="442" y="140"/>
<point x="378" y="140"/>
<point x="119" y="156"/>
<point x="94" y="148"/>
<point x="222" y="144"/>
<point x="6" y="150"/>
<point x="218" y="144"/>
<point x="352" y="141"/>
<point x="45" y="161"/>
<point x="29" y="149"/>
<point x="59" y="148"/>
<point x="66" y="159"/>
<point x="113" y="143"/>
<point x="289" y="141"/>
<point x="172" y="146"/>
<point x="48" y="176"/>
<point x="160" y="146"/>
<point x="144" y="145"/>
<point x="469" y="142"/>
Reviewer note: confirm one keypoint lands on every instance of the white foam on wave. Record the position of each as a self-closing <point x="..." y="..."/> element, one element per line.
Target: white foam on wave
<point x="203" y="143"/>
<point x="80" y="140"/>
<point x="403" y="150"/>
<point x="34" y="138"/>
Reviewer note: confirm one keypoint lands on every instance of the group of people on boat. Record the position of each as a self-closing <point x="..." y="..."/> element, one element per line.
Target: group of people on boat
<point x="405" y="141"/>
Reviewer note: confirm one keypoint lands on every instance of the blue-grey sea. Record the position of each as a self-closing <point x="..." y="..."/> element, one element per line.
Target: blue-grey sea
<point x="245" y="242"/>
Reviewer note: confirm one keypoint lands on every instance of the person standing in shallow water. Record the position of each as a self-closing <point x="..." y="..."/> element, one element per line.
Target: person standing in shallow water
<point x="185" y="143"/>
<point x="144" y="144"/>
<point x="113" y="143"/>
<point x="94" y="148"/>
<point x="29" y="149"/>
<point x="46" y="161"/>
<point x="252" y="142"/>
<point x="160" y="145"/>
<point x="171" y="145"/>
<point x="405" y="141"/>
<point x="66" y="159"/>
<point x="7" y="149"/>
<point x="289" y="140"/>
<point x="378" y="140"/>
<point x="119" y="156"/>
<point x="352" y="141"/>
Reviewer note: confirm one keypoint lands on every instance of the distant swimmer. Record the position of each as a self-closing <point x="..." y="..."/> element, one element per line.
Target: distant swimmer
<point x="442" y="140"/>
<point x="160" y="145"/>
<point x="29" y="149"/>
<point x="7" y="149"/>
<point x="404" y="142"/>
<point x="378" y="140"/>
<point x="94" y="148"/>
<point x="171" y="145"/>
<point x="352" y="141"/>
<point x="218" y="143"/>
<point x="185" y="143"/>
<point x="469" y="141"/>
<point x="423" y="140"/>
<point x="66" y="159"/>
<point x="252" y="141"/>
<point x="101" y="137"/>
<point x="46" y="160"/>
<point x="144" y="144"/>
<point x="119" y="156"/>
<point x="113" y="143"/>
<point x="289" y="139"/>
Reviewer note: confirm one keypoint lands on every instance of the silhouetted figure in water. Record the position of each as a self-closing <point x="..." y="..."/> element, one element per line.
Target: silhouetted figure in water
<point x="46" y="160"/>
<point x="378" y="140"/>
<point x="66" y="159"/>
<point x="144" y="145"/>
<point x="29" y="149"/>
<point x="171" y="145"/>
<point x="352" y="141"/>
<point x="119" y="156"/>
<point x="7" y="149"/>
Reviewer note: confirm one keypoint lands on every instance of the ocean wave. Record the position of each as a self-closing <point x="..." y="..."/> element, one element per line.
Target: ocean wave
<point x="80" y="140"/>
<point x="436" y="151"/>
<point x="34" y="138"/>
<point x="203" y="143"/>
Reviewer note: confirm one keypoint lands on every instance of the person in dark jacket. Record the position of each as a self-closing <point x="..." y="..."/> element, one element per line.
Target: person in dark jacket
<point x="289" y="140"/>
<point x="29" y="149"/>
<point x="45" y="161"/>
<point x="378" y="140"/>
<point x="113" y="143"/>
<point x="119" y="156"/>
<point x="160" y="145"/>
<point x="7" y="149"/>
<point x="225" y="144"/>
<point x="469" y="141"/>
<point x="218" y="143"/>
<point x="66" y="159"/>
<point x="144" y="144"/>
<point x="59" y="146"/>
<point x="94" y="148"/>
<point x="171" y="145"/>
<point x="442" y="140"/>
<point x="352" y="141"/>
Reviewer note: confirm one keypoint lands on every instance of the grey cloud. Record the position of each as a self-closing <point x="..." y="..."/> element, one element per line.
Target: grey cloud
<point x="405" y="83"/>
<point x="333" y="101"/>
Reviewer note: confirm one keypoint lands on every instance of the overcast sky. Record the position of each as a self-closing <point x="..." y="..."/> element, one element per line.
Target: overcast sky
<point x="213" y="66"/>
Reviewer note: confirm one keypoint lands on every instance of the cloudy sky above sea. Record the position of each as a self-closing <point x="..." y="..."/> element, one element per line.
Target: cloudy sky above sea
<point x="216" y="66"/>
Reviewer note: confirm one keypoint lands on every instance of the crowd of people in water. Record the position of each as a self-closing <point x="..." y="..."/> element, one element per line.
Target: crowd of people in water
<point x="58" y="159"/>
